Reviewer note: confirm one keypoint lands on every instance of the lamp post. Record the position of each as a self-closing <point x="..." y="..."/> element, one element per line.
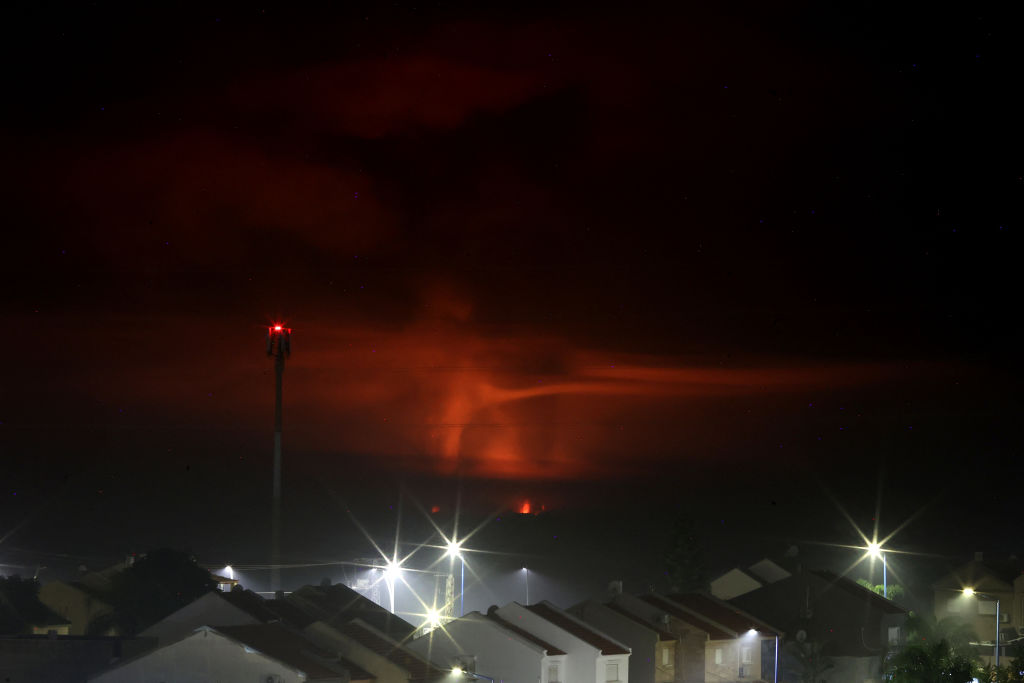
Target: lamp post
<point x="969" y="592"/>
<point x="526" y="574"/>
<point x="875" y="550"/>
<point x="455" y="552"/>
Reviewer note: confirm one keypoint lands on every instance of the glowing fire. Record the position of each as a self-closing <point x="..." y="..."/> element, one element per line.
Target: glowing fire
<point x="524" y="507"/>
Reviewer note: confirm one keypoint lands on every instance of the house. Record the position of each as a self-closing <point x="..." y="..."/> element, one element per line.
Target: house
<point x="76" y="602"/>
<point x="340" y="604"/>
<point x="212" y="609"/>
<point x="388" y="660"/>
<point x="991" y="583"/>
<point x="21" y="611"/>
<point x="652" y="647"/>
<point x="854" y="627"/>
<point x="237" y="654"/>
<point x="740" y="647"/>
<point x="63" y="659"/>
<point x="736" y="582"/>
<point x="492" y="646"/>
<point x="591" y="656"/>
<point x="691" y="633"/>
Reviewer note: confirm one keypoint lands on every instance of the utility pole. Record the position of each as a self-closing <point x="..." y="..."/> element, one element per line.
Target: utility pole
<point x="279" y="347"/>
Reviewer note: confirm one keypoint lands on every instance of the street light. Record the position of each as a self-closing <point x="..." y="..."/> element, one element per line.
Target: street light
<point x="970" y="592"/>
<point x="391" y="572"/>
<point x="455" y="552"/>
<point x="526" y="573"/>
<point x="875" y="551"/>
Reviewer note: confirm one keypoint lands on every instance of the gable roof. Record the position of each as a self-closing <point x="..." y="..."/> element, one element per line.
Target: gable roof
<point x="339" y="604"/>
<point x="289" y="647"/>
<point x="722" y="613"/>
<point x="859" y="592"/>
<point x="714" y="631"/>
<point x="370" y="638"/>
<point x="549" y="612"/>
<point x="663" y="635"/>
<point x="492" y="614"/>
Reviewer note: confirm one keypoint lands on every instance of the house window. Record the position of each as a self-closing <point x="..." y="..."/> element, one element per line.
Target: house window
<point x="954" y="605"/>
<point x="987" y="607"/>
<point x="553" y="673"/>
<point x="746" y="655"/>
<point x="894" y="635"/>
<point x="611" y="673"/>
<point x="665" y="657"/>
<point x="718" y="655"/>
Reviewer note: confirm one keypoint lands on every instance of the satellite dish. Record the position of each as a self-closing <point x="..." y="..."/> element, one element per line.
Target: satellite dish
<point x="801" y="636"/>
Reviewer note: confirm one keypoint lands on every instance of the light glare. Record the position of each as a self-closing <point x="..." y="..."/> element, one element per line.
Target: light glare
<point x="968" y="591"/>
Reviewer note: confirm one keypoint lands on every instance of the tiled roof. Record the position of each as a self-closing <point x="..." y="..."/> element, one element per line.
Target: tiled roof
<point x="663" y="635"/>
<point x="860" y="592"/>
<point x="567" y="623"/>
<point x="287" y="646"/>
<point x="338" y="604"/>
<point x="722" y="613"/>
<point x="493" y="616"/>
<point x="419" y="669"/>
<point x="714" y="632"/>
<point x="250" y="603"/>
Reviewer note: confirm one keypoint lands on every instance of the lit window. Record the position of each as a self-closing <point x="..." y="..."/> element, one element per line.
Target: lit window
<point x="894" y="635"/>
<point x="718" y="655"/>
<point x="611" y="673"/>
<point x="665" y="657"/>
<point x="553" y="673"/>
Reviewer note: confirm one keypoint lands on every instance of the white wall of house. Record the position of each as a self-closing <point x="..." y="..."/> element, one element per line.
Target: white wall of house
<point x="208" y="610"/>
<point x="584" y="663"/>
<point x="204" y="657"/>
<point x="330" y="639"/>
<point x="646" y="654"/>
<point x="498" y="653"/>
<point x="728" y="659"/>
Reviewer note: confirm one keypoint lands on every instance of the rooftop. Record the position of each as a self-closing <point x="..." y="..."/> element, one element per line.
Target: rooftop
<point x="509" y="626"/>
<point x="577" y="628"/>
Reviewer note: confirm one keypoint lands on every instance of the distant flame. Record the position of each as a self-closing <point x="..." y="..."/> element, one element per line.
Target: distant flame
<point x="524" y="508"/>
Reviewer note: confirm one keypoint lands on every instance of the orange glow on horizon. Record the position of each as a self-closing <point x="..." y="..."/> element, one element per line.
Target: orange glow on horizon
<point x="524" y="508"/>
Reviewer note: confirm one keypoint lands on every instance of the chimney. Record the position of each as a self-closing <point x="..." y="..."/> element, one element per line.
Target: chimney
<point x="978" y="556"/>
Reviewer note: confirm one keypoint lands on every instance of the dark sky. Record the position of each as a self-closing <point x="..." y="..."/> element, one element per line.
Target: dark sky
<point x="626" y="261"/>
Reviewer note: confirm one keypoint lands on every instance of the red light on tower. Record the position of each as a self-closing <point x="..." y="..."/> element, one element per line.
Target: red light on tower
<point x="277" y="328"/>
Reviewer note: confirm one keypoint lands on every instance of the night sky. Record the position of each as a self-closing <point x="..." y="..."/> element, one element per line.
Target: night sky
<point x="624" y="262"/>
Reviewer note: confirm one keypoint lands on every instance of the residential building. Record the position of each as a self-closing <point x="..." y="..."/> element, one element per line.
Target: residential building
<point x="491" y="646"/>
<point x="854" y="627"/>
<point x="691" y="633"/>
<point x="740" y="647"/>
<point x="591" y="655"/>
<point x="652" y="647"/>
<point x="388" y="660"/>
<point x="212" y="609"/>
<point x="76" y="602"/>
<point x="340" y="604"/>
<point x="990" y="583"/>
<point x="237" y="654"/>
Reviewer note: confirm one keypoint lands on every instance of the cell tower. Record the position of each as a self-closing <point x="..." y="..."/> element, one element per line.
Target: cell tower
<point x="279" y="347"/>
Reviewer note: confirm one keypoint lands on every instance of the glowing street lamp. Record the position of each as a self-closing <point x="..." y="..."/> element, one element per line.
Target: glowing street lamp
<point x="526" y="574"/>
<point x="875" y="551"/>
<point x="455" y="552"/>
<point x="970" y="592"/>
<point x="392" y="571"/>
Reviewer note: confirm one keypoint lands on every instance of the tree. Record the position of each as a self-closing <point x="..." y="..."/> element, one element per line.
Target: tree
<point x="158" y="584"/>
<point x="684" y="557"/>
<point x="19" y="605"/>
<point x="896" y="591"/>
<point x="934" y="651"/>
